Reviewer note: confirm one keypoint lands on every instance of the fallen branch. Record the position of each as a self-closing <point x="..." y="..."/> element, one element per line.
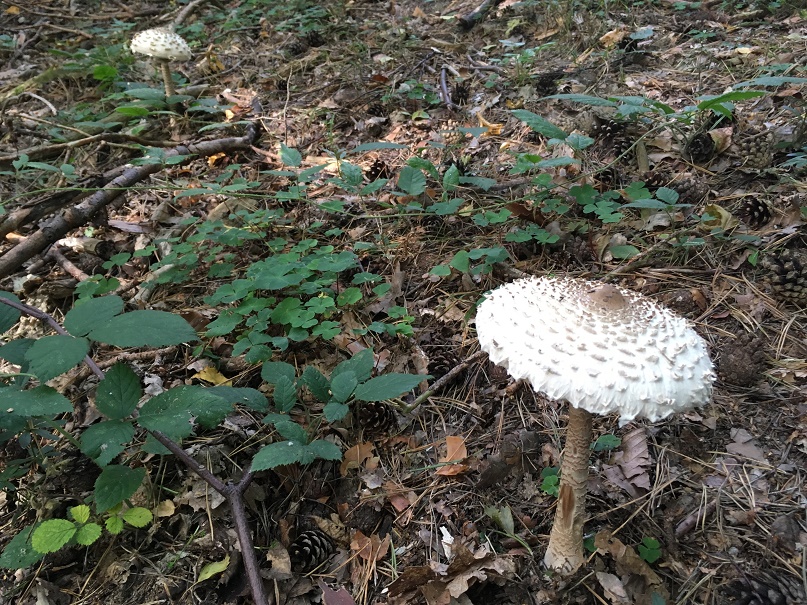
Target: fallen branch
<point x="82" y="213"/>
<point x="468" y="20"/>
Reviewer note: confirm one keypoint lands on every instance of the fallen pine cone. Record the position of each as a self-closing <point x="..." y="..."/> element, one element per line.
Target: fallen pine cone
<point x="765" y="588"/>
<point x="788" y="277"/>
<point x="311" y="549"/>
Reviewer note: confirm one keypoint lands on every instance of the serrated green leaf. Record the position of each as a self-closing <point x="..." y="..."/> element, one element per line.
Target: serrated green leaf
<point x="145" y="329"/>
<point x="137" y="516"/>
<point x="88" y="534"/>
<point x="735" y="95"/>
<point x="52" y="534"/>
<point x="375" y="146"/>
<point x="279" y="454"/>
<point x="41" y="401"/>
<point x="80" y="513"/>
<point x="115" y="484"/>
<point x="14" y="351"/>
<point x="114" y="525"/>
<point x="325" y="450"/>
<point x="272" y="371"/>
<point x="19" y="553"/>
<point x="172" y="410"/>
<point x="539" y="124"/>
<point x="292" y="431"/>
<point x="251" y="398"/>
<point x="387" y="386"/>
<point x="316" y="383"/>
<point x="411" y="180"/>
<point x="51" y="356"/>
<point x="119" y="392"/>
<point x="585" y="99"/>
<point x="290" y="157"/>
<point x="361" y="364"/>
<point x="285" y="394"/>
<point x="213" y="569"/>
<point x="9" y="316"/>
<point x="343" y="385"/>
<point x="335" y="411"/>
<point x="105" y="440"/>
<point x="88" y="315"/>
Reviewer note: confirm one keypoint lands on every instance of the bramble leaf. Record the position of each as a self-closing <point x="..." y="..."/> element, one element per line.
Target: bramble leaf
<point x="387" y="386"/>
<point x="53" y="534"/>
<point x="51" y="356"/>
<point x="115" y="484"/>
<point x="146" y="328"/>
<point x="88" y="315"/>
<point x="118" y="393"/>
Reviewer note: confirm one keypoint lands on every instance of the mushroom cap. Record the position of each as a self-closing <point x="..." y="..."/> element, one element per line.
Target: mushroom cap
<point x="601" y="348"/>
<point x="161" y="43"/>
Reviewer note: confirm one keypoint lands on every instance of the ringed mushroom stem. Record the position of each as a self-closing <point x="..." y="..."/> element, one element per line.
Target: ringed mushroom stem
<point x="565" y="551"/>
<point x="170" y="90"/>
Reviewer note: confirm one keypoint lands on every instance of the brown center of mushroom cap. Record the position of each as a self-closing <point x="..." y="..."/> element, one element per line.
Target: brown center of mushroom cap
<point x="608" y="297"/>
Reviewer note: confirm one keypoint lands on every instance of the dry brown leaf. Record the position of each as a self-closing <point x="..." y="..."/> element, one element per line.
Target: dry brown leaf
<point x="637" y="576"/>
<point x="359" y="456"/>
<point x="370" y="548"/>
<point x="455" y="451"/>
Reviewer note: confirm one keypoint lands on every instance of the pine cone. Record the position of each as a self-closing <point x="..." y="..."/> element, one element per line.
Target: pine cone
<point x="295" y="48"/>
<point x="375" y="416"/>
<point x="376" y="110"/>
<point x="755" y="212"/>
<point x="789" y="278"/>
<point x="461" y="93"/>
<point x="378" y="170"/>
<point x="700" y="149"/>
<point x="314" y="38"/>
<point x="613" y="136"/>
<point x="755" y="151"/>
<point x="691" y="189"/>
<point x="311" y="549"/>
<point x="546" y="83"/>
<point x="767" y="589"/>
<point x="657" y="178"/>
<point x="441" y="361"/>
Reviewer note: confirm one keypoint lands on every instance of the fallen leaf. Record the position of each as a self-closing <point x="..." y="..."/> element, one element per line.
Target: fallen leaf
<point x="455" y="451"/>
<point x="213" y="569"/>
<point x="359" y="456"/>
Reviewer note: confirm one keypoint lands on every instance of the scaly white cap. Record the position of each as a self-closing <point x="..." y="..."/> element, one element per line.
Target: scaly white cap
<point x="161" y="43"/>
<point x="602" y="348"/>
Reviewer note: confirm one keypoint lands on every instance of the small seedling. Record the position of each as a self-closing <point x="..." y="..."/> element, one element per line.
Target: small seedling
<point x="649" y="550"/>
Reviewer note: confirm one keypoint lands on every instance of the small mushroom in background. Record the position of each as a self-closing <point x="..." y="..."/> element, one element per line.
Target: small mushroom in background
<point x="164" y="46"/>
<point x="604" y="350"/>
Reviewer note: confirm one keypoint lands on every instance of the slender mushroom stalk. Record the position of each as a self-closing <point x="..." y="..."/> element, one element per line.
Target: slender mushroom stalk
<point x="603" y="349"/>
<point x="168" y="80"/>
<point x="565" y="551"/>
<point x="164" y="46"/>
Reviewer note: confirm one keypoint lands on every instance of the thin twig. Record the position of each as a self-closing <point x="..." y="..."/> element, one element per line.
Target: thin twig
<point x="443" y="380"/>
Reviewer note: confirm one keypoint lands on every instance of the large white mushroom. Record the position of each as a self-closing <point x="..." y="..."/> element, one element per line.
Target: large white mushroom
<point x="604" y="350"/>
<point x="164" y="46"/>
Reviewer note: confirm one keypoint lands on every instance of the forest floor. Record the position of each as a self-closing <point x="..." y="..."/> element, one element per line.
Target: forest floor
<point x="558" y="112"/>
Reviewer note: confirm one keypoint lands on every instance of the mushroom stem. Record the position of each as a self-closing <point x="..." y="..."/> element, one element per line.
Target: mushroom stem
<point x="565" y="551"/>
<point x="170" y="91"/>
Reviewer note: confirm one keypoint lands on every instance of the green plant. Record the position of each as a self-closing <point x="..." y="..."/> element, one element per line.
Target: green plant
<point x="550" y="480"/>
<point x="503" y="518"/>
<point x="649" y="550"/>
<point x="32" y="410"/>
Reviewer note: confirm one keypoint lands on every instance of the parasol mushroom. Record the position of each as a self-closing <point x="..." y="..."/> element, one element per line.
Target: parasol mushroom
<point x="164" y="46"/>
<point x="604" y="350"/>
